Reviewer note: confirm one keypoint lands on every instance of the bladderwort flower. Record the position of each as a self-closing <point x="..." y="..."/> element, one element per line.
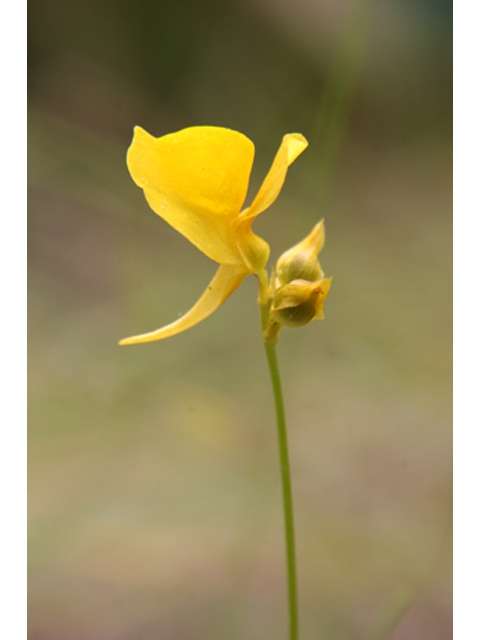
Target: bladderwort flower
<point x="196" y="180"/>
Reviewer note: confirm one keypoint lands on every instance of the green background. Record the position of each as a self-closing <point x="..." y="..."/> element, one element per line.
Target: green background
<point x="155" y="505"/>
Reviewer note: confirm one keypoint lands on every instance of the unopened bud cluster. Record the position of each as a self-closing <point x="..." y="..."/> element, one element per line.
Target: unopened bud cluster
<point x="300" y="287"/>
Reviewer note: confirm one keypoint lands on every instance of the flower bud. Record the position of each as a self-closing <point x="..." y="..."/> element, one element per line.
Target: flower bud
<point x="299" y="302"/>
<point x="300" y="262"/>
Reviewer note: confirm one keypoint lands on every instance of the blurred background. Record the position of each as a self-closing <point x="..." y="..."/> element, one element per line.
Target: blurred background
<point x="155" y="505"/>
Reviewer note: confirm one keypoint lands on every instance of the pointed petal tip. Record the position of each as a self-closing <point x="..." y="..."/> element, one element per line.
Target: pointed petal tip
<point x="297" y="136"/>
<point x="225" y="281"/>
<point x="145" y="337"/>
<point x="296" y="144"/>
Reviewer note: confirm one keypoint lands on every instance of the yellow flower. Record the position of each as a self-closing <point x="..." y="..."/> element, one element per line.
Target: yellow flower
<point x="197" y="181"/>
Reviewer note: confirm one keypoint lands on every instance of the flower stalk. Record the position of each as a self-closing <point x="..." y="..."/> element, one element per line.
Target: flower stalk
<point x="270" y="331"/>
<point x="271" y="351"/>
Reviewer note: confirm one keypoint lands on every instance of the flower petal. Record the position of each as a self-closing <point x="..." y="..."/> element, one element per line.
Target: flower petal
<point x="226" y="280"/>
<point x="253" y="249"/>
<point x="292" y="146"/>
<point x="196" y="180"/>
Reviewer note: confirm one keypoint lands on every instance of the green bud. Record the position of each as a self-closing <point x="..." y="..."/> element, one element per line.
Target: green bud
<point x="300" y="262"/>
<point x="299" y="302"/>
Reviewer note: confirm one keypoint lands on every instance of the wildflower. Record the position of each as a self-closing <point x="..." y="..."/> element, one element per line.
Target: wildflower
<point x="197" y="181"/>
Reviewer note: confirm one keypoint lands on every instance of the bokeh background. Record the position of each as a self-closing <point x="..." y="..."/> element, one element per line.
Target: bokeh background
<point x="155" y="505"/>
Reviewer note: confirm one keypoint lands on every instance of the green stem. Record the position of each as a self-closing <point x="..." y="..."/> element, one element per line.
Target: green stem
<point x="271" y="352"/>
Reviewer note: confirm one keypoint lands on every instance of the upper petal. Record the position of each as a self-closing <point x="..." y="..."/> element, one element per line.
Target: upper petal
<point x="292" y="146"/>
<point x="196" y="180"/>
<point x="225" y="281"/>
